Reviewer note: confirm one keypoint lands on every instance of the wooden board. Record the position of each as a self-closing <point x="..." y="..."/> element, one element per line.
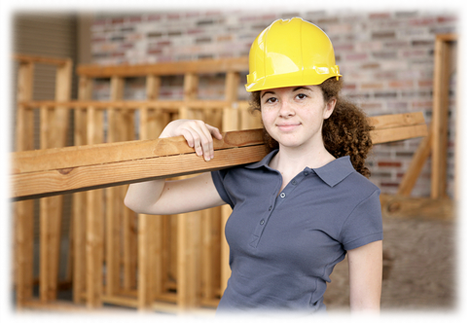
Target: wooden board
<point x="239" y="64"/>
<point x="80" y="168"/>
<point x="54" y="171"/>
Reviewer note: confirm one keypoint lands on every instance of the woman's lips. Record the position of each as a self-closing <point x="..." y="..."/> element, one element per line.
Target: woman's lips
<point x="288" y="127"/>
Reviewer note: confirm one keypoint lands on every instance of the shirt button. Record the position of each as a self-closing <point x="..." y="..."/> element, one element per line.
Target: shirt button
<point x="283" y="195"/>
<point x="270" y="208"/>
<point x="261" y="222"/>
<point x="294" y="182"/>
<point x="305" y="173"/>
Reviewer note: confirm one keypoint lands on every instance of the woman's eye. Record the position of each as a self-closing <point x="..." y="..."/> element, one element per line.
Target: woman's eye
<point x="270" y="100"/>
<point x="301" y="96"/>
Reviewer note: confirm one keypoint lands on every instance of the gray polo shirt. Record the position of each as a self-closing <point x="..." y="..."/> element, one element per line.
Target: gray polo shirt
<point x="284" y="247"/>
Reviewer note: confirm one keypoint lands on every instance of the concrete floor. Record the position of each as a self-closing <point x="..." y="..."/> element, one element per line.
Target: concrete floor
<point x="7" y="300"/>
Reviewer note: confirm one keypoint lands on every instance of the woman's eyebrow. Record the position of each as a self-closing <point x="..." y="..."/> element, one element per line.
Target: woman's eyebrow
<point x="302" y="88"/>
<point x="270" y="92"/>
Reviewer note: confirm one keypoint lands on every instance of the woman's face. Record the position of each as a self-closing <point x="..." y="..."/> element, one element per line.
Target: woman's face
<point x="293" y="116"/>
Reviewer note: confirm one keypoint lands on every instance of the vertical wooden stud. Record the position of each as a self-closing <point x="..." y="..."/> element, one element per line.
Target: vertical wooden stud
<point x="79" y="200"/>
<point x="461" y="140"/>
<point x="94" y="221"/>
<point x="53" y="132"/>
<point x="230" y="122"/>
<point x="24" y="210"/>
<point x="149" y="226"/>
<point x="440" y="113"/>
<point x="112" y="194"/>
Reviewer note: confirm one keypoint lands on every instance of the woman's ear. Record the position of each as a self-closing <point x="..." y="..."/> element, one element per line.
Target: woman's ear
<point x="329" y="107"/>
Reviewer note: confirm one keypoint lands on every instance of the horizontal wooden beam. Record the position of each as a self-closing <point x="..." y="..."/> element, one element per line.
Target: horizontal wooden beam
<point x="397" y="206"/>
<point x="41" y="59"/>
<point x="161" y="104"/>
<point x="239" y="64"/>
<point x="54" y="171"/>
<point x="395" y="127"/>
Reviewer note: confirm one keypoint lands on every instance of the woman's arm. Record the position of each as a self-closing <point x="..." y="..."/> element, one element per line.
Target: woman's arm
<point x="172" y="197"/>
<point x="365" y="277"/>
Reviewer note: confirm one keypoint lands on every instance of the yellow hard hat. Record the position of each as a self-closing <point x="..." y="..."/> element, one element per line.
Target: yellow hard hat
<point x="290" y="52"/>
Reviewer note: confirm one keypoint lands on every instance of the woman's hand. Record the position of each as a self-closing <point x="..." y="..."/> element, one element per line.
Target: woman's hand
<point x="197" y="133"/>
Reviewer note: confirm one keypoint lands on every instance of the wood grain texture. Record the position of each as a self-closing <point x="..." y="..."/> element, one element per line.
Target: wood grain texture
<point x="54" y="171"/>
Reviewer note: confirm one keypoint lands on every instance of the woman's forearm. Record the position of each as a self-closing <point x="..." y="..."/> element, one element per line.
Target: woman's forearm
<point x="141" y="197"/>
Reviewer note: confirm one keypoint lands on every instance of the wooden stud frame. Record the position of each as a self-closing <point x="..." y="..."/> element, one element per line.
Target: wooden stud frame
<point x="92" y="156"/>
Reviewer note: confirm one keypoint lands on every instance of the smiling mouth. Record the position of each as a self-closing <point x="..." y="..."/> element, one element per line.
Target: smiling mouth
<point x="288" y="127"/>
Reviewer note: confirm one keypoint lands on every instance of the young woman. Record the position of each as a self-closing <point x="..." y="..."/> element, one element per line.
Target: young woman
<point x="299" y="211"/>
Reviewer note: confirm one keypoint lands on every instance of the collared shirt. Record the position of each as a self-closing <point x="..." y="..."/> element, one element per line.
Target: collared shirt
<point x="283" y="247"/>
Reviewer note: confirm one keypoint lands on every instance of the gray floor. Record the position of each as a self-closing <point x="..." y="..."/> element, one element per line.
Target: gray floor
<point x="7" y="300"/>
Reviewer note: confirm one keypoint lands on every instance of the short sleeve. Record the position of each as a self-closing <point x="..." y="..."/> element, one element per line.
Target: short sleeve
<point x="364" y="224"/>
<point x="218" y="177"/>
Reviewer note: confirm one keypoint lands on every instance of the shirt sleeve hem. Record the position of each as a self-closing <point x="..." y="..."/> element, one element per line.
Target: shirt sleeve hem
<point x="363" y="241"/>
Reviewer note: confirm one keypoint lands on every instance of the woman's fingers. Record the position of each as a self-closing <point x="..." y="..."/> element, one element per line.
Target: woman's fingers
<point x="199" y="136"/>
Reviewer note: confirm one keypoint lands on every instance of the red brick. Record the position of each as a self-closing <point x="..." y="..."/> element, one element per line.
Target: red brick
<point x="192" y="14"/>
<point x="135" y="19"/>
<point x="370" y="66"/>
<point x="389" y="164"/>
<point x="356" y="57"/>
<point x="349" y="86"/>
<point x="173" y="16"/>
<point x="371" y="86"/>
<point x="164" y="43"/>
<point x="379" y="15"/>
<point x="213" y="13"/>
<point x="194" y="31"/>
<point x="117" y="21"/>
<point x="422" y="21"/>
<point x="154" y="17"/>
<point x="400" y="84"/>
<point x="269" y="17"/>
<point x="388" y="184"/>
<point x="425" y="83"/>
<point x="446" y="19"/>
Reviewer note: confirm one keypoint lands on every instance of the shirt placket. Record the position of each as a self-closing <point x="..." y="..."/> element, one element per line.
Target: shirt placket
<point x="276" y="201"/>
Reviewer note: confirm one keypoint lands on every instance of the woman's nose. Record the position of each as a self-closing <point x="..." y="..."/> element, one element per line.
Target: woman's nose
<point x="286" y="109"/>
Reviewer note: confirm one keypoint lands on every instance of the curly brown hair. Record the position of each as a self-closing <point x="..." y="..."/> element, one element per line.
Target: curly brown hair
<point x="345" y="133"/>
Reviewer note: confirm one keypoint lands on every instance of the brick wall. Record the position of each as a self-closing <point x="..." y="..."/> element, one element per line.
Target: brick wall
<point x="386" y="59"/>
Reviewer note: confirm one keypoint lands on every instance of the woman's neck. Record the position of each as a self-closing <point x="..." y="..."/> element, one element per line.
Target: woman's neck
<point x="291" y="160"/>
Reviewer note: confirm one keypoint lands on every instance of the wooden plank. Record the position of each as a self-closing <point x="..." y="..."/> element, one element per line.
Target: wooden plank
<point x="440" y="112"/>
<point x="49" y="232"/>
<point x="67" y="163"/>
<point x="395" y="134"/>
<point x="170" y="105"/>
<point x="53" y="133"/>
<point x="412" y="173"/>
<point x="461" y="140"/>
<point x="41" y="59"/>
<point x="397" y="120"/>
<point x="239" y="64"/>
<point x="113" y="209"/>
<point x="149" y="226"/>
<point x="24" y="140"/>
<point x="413" y="207"/>
<point x="24" y="210"/>
<point x="79" y="199"/>
<point x="447" y="37"/>
<point x="94" y="222"/>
